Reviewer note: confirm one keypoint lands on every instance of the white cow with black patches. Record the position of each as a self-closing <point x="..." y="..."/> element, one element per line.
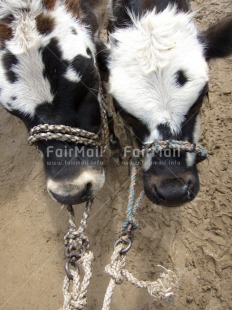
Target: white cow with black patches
<point x="49" y="75"/>
<point x="158" y="77"/>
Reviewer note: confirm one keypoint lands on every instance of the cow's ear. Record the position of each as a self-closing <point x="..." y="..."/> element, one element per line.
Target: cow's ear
<point x="218" y="39"/>
<point x="103" y="52"/>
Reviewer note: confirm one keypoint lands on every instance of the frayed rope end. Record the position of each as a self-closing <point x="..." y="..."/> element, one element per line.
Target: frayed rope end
<point x="165" y="288"/>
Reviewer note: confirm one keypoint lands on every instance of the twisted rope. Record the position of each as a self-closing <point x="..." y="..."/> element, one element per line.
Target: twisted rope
<point x="105" y="126"/>
<point x="75" y="135"/>
<point x="183" y="146"/>
<point x="62" y="129"/>
<point x="77" y="254"/>
<point x="132" y="203"/>
<point x="163" y="289"/>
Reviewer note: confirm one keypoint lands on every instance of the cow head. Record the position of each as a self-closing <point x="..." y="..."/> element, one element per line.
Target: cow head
<point x="158" y="67"/>
<point x="49" y="75"/>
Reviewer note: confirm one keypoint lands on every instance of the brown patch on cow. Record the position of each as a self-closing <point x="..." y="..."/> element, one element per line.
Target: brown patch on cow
<point x="45" y="24"/>
<point x="73" y="6"/>
<point x="5" y="34"/>
<point x="49" y="4"/>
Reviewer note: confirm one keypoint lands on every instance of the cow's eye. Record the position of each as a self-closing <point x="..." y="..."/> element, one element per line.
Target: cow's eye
<point x="88" y="51"/>
<point x="181" y="78"/>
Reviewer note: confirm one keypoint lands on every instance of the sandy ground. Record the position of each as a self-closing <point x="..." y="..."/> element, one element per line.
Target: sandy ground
<point x="195" y="240"/>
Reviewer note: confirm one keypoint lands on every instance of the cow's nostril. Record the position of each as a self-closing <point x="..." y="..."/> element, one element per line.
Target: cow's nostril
<point x="89" y="186"/>
<point x="190" y="190"/>
<point x="88" y="189"/>
<point x="158" y="194"/>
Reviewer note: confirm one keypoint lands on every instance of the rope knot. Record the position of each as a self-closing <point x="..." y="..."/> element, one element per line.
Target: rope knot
<point x="118" y="261"/>
<point x="79" y="304"/>
<point x="76" y="245"/>
<point x="116" y="275"/>
<point x="130" y="224"/>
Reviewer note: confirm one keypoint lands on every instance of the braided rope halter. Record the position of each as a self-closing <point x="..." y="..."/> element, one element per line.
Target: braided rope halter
<point x="46" y="132"/>
<point x="182" y="146"/>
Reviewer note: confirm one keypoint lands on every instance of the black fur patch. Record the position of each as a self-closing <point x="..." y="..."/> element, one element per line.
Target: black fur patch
<point x="139" y="7"/>
<point x="9" y="60"/>
<point x="149" y="5"/>
<point x="181" y="78"/>
<point x="165" y="131"/>
<point x="85" y="68"/>
<point x="102" y="56"/>
<point x="190" y="120"/>
<point x="73" y="31"/>
<point x="218" y="39"/>
<point x="88" y="51"/>
<point x="55" y="67"/>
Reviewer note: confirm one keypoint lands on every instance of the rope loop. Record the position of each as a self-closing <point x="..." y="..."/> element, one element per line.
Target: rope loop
<point x="125" y="241"/>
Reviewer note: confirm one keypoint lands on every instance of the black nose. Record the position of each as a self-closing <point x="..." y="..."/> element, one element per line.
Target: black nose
<point x="174" y="192"/>
<point x="72" y="199"/>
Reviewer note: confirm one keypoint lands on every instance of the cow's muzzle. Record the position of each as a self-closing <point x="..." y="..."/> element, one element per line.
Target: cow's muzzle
<point x="173" y="191"/>
<point x="79" y="190"/>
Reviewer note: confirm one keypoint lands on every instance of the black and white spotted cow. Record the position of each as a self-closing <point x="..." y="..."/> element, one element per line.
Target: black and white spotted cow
<point x="158" y="76"/>
<point x="49" y="75"/>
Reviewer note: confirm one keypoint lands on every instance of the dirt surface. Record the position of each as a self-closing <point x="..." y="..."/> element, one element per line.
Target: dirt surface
<point x="195" y="240"/>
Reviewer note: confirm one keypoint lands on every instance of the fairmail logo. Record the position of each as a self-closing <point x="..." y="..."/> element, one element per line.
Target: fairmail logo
<point x="76" y="152"/>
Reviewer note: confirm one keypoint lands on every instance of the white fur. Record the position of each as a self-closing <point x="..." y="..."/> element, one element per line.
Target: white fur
<point x="145" y="58"/>
<point x="71" y="44"/>
<point x="14" y="7"/>
<point x="32" y="89"/>
<point x="72" y="75"/>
